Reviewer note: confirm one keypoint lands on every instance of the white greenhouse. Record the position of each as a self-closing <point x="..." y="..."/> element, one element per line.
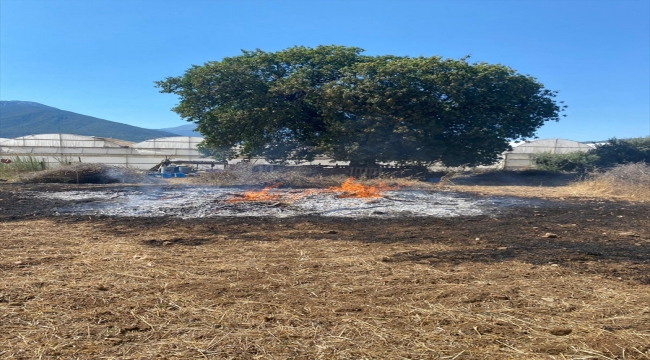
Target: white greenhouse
<point x="521" y="155"/>
<point x="55" y="149"/>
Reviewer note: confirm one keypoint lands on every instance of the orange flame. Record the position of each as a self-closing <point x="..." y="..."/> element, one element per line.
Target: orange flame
<point x="348" y="189"/>
<point x="352" y="189"/>
<point x="262" y="195"/>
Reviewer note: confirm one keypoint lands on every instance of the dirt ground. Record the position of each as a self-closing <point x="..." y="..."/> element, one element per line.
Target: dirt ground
<point x="567" y="281"/>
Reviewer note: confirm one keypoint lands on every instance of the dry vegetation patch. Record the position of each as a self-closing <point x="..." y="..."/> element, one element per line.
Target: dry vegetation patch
<point x="466" y="288"/>
<point x="629" y="181"/>
<point x="487" y="287"/>
<point x="297" y="177"/>
<point x="87" y="174"/>
<point x="244" y="175"/>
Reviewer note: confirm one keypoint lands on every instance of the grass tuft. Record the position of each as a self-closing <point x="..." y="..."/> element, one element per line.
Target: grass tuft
<point x="19" y="165"/>
<point x="629" y="181"/>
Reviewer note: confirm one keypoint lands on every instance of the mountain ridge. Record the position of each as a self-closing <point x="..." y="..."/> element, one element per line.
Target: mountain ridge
<point x="185" y="130"/>
<point x="22" y="118"/>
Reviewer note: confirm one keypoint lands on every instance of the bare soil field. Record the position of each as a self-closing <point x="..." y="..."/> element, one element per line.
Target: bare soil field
<point x="570" y="280"/>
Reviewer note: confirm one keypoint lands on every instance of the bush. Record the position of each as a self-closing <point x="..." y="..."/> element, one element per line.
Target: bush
<point x="579" y="162"/>
<point x="614" y="152"/>
<point x="625" y="151"/>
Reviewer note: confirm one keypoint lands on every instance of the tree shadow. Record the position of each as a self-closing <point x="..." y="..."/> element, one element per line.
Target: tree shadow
<point x="611" y="259"/>
<point x="516" y="178"/>
<point x="592" y="236"/>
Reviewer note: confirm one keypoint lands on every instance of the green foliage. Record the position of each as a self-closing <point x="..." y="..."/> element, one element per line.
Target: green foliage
<point x="301" y="102"/>
<point x="217" y="153"/>
<point x="580" y="162"/>
<point x="613" y="153"/>
<point x="18" y="165"/>
<point x="624" y="151"/>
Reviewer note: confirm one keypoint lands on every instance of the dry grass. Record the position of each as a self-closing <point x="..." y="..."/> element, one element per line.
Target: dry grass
<point x="87" y="174"/>
<point x="627" y="182"/>
<point x="558" y="192"/>
<point x="527" y="184"/>
<point x="299" y="291"/>
<point x="630" y="181"/>
<point x="243" y="175"/>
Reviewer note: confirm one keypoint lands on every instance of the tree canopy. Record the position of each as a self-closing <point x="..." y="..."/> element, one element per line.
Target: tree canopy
<point x="301" y="102"/>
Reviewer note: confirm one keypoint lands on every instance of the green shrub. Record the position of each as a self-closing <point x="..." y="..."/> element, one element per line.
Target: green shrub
<point x="624" y="151"/>
<point x="580" y="162"/>
<point x="614" y="152"/>
<point x="20" y="164"/>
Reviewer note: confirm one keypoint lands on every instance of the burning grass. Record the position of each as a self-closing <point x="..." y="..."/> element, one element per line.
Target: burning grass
<point x="262" y="195"/>
<point x="297" y="178"/>
<point x="350" y="188"/>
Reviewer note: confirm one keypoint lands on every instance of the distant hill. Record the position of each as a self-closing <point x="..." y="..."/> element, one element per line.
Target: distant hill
<point x="183" y="130"/>
<point x="21" y="118"/>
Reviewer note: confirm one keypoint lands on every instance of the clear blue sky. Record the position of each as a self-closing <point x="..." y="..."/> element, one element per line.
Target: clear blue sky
<point x="101" y="57"/>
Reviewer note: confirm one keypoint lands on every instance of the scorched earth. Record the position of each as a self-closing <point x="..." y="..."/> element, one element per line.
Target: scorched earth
<point x="191" y="202"/>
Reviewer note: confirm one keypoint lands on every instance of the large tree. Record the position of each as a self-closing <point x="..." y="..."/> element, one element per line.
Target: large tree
<point x="294" y="104"/>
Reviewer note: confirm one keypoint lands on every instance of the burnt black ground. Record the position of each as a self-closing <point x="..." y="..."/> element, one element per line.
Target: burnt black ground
<point x="602" y="236"/>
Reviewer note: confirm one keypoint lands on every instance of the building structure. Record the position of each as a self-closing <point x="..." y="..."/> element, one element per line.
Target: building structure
<point x="56" y="149"/>
<point x="521" y="156"/>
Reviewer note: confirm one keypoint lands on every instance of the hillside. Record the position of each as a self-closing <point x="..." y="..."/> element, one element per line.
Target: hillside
<point x="21" y="118"/>
<point x="184" y="130"/>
